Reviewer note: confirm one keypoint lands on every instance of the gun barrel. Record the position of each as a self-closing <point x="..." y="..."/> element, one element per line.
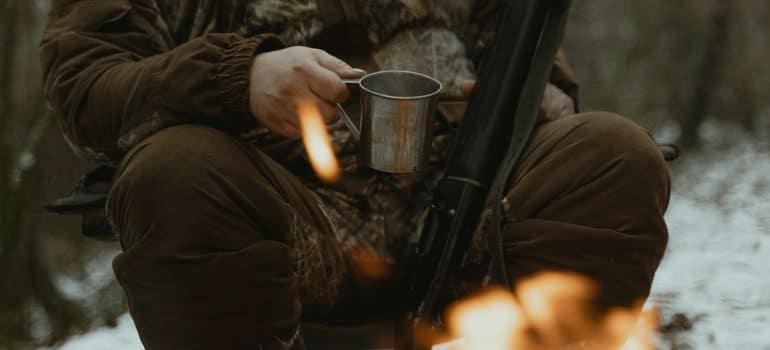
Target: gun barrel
<point x="492" y="123"/>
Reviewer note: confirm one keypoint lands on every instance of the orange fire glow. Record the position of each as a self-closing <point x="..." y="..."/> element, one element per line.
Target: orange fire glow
<point x="318" y="144"/>
<point x="642" y="334"/>
<point x="487" y="322"/>
<point x="549" y="311"/>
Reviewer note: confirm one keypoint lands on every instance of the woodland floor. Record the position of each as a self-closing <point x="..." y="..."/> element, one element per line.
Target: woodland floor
<point x="713" y="285"/>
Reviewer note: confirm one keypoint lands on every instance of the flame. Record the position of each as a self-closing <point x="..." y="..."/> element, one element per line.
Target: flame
<point x="643" y="333"/>
<point x="557" y="306"/>
<point x="317" y="143"/>
<point x="370" y="265"/>
<point x="549" y="311"/>
<point x="487" y="322"/>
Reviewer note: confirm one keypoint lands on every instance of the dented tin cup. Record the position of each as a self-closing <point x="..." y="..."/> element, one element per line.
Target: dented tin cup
<point x="398" y="108"/>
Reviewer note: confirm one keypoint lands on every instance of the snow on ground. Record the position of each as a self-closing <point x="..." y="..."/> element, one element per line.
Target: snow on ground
<point x="716" y="272"/>
<point x="121" y="337"/>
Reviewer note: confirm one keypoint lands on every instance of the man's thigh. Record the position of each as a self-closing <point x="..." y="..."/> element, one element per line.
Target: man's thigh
<point x="589" y="197"/>
<point x="221" y="243"/>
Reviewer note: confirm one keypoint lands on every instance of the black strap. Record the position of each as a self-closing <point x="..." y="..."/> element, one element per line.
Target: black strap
<point x="526" y="117"/>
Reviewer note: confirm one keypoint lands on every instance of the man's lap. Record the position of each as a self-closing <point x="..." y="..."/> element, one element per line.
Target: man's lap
<point x="209" y="228"/>
<point x="588" y="197"/>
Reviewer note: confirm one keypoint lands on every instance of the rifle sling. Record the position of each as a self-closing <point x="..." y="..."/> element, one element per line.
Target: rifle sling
<point x="526" y="118"/>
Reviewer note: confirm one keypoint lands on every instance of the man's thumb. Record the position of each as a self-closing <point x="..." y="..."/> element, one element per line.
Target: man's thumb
<point x="337" y="65"/>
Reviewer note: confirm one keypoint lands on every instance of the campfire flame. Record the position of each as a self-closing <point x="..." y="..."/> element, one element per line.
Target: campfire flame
<point x="548" y="311"/>
<point x="318" y="144"/>
<point x="487" y="322"/>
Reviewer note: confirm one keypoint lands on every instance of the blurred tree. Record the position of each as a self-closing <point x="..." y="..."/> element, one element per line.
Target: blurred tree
<point x="635" y="57"/>
<point x="644" y="59"/>
<point x="25" y="282"/>
<point x="709" y="72"/>
<point x="656" y="61"/>
<point x="746" y="62"/>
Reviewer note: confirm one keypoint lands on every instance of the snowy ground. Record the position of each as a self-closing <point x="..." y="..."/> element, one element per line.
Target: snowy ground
<point x="717" y="268"/>
<point x="713" y="286"/>
<point x="122" y="337"/>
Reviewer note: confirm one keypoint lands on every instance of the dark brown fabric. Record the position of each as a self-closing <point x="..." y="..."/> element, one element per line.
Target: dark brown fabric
<point x="210" y="252"/>
<point x="205" y="225"/>
<point x="589" y="197"/>
<point x="563" y="77"/>
<point x="117" y="71"/>
<point x="114" y="75"/>
<point x="226" y="248"/>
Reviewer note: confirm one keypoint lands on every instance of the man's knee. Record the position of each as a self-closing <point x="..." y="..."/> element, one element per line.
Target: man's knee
<point x="177" y="157"/>
<point x="200" y="227"/>
<point x="173" y="164"/>
<point x="171" y="160"/>
<point x="617" y="135"/>
<point x="592" y="202"/>
<point x="627" y="151"/>
<point x="597" y="170"/>
<point x="182" y="173"/>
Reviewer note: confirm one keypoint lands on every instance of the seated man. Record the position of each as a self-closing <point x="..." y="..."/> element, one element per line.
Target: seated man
<point x="228" y="239"/>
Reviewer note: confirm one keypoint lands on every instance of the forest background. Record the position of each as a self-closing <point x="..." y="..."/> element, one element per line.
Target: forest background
<point x="695" y="72"/>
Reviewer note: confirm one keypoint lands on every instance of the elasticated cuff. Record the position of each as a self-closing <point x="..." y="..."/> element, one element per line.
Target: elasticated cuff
<point x="563" y="77"/>
<point x="233" y="75"/>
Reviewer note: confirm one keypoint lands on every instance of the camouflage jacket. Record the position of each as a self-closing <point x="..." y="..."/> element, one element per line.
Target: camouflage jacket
<point x="116" y="71"/>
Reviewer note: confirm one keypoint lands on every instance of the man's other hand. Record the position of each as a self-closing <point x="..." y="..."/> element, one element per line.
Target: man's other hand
<point x="281" y="79"/>
<point x="556" y="104"/>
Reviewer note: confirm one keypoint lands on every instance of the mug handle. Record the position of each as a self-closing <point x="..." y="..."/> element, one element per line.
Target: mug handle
<point x="354" y="130"/>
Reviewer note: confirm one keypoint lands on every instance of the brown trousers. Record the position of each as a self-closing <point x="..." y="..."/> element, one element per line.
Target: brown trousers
<point x="212" y="228"/>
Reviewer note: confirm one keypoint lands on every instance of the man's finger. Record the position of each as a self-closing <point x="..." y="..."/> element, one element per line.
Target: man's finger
<point x="568" y="109"/>
<point x="337" y="65"/>
<point x="466" y="88"/>
<point x="289" y="130"/>
<point x="327" y="110"/>
<point x="327" y="85"/>
<point x="284" y="114"/>
<point x="283" y="127"/>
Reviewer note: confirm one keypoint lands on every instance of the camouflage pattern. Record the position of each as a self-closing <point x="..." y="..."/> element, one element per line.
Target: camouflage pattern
<point x="433" y="50"/>
<point x="373" y="214"/>
<point x="319" y="265"/>
<point x="439" y="37"/>
<point x="119" y="71"/>
<point x="296" y="21"/>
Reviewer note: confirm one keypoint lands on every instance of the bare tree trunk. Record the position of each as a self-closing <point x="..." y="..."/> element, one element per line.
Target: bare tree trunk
<point x="8" y="25"/>
<point x="709" y="72"/>
<point x="24" y="279"/>
<point x="12" y="317"/>
<point x="743" y="106"/>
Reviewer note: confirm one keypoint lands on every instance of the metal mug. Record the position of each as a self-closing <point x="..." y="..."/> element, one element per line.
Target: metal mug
<point x="396" y="125"/>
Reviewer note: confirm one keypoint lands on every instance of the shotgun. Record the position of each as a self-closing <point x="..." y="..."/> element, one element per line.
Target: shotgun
<point x="496" y="127"/>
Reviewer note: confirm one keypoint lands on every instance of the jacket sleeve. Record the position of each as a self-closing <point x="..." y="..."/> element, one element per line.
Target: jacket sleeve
<point x="114" y="75"/>
<point x="563" y="77"/>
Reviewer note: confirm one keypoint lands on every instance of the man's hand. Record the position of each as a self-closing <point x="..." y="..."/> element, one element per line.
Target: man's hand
<point x="281" y="79"/>
<point x="556" y="104"/>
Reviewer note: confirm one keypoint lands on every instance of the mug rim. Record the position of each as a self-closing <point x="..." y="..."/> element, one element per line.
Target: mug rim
<point x="417" y="97"/>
